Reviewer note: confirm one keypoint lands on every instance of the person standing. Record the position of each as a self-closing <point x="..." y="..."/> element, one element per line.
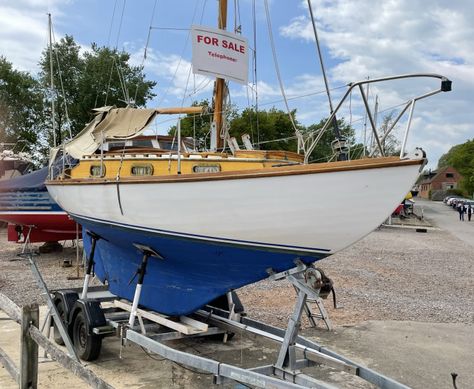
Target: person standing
<point x="461" y="210"/>
<point x="469" y="212"/>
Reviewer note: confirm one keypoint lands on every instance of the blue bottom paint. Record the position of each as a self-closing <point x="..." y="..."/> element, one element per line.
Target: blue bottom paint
<point x="192" y="273"/>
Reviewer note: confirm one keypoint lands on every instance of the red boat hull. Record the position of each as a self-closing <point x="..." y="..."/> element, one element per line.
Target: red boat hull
<point x="45" y="227"/>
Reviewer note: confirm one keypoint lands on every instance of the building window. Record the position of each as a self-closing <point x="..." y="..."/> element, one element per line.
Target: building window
<point x="97" y="171"/>
<point x="449" y="175"/>
<point x="142" y="170"/>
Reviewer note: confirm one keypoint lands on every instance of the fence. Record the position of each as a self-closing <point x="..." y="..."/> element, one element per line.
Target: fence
<point x="26" y="374"/>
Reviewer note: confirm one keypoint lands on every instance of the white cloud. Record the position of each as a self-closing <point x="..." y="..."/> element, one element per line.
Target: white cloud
<point x="380" y="38"/>
<point x="24" y="32"/>
<point x="175" y="77"/>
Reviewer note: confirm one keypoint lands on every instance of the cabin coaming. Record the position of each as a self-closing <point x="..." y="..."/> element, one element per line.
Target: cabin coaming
<point x="143" y="163"/>
<point x="153" y="169"/>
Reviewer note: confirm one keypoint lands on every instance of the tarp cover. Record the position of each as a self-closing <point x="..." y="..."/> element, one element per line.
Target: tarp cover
<point x="117" y="123"/>
<point x="123" y="123"/>
<point x="32" y="182"/>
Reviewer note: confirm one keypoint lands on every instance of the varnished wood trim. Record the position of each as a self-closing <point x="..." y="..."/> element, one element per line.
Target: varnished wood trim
<point x="339" y="166"/>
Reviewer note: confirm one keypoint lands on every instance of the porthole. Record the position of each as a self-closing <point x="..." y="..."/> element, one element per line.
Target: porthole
<point x="97" y="171"/>
<point x="142" y="170"/>
<point x="207" y="168"/>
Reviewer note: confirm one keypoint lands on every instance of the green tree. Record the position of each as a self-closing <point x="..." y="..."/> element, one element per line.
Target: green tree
<point x="21" y="109"/>
<point x="323" y="151"/>
<point x="68" y="67"/>
<point x="275" y="130"/>
<point x="390" y="145"/>
<point x="195" y="125"/>
<point x="98" y="77"/>
<point x="273" y="126"/>
<point x="461" y="157"/>
<point x="109" y="79"/>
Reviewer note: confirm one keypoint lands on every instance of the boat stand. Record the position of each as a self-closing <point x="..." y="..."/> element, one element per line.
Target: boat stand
<point x="295" y="353"/>
<point x="147" y="253"/>
<point x="90" y="263"/>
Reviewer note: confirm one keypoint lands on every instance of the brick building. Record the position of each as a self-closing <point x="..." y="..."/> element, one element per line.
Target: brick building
<point x="437" y="182"/>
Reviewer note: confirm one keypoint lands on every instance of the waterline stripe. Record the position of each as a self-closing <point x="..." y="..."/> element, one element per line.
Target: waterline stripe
<point x="202" y="237"/>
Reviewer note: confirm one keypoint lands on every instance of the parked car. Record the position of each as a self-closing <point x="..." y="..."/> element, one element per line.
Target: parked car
<point x="447" y="198"/>
<point x="453" y="201"/>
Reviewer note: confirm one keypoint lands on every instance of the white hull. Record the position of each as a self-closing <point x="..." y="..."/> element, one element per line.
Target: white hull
<point x="319" y="213"/>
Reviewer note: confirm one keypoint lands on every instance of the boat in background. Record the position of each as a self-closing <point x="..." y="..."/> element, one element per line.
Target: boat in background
<point x="213" y="221"/>
<point x="13" y="164"/>
<point x="31" y="213"/>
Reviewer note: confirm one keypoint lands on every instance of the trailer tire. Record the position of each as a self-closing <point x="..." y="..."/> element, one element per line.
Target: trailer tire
<point x="62" y="313"/>
<point x="86" y="344"/>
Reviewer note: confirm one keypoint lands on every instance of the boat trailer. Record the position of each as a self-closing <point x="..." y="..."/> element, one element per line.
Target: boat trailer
<point x="82" y="317"/>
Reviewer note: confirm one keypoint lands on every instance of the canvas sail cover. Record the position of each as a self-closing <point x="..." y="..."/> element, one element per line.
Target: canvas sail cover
<point x="109" y="123"/>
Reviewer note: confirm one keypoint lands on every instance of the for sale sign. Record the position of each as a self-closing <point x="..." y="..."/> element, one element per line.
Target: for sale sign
<point x="220" y="53"/>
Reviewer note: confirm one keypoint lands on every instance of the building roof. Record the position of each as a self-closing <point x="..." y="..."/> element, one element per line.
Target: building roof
<point x="432" y="175"/>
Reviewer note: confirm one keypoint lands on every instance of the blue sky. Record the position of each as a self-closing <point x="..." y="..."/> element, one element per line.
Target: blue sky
<point x="360" y="39"/>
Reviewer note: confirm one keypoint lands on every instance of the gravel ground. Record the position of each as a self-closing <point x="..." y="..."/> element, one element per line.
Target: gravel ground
<point x="16" y="278"/>
<point x="392" y="274"/>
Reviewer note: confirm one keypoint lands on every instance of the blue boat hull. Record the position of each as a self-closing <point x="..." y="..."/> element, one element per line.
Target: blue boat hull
<point x="192" y="272"/>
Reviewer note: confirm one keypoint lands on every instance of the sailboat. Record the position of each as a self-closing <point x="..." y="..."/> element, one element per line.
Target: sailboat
<point x="13" y="164"/>
<point x="31" y="213"/>
<point x="216" y="221"/>
<point x="25" y="204"/>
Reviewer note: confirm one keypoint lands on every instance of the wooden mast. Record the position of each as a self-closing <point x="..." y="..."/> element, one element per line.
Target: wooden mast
<point x="220" y="83"/>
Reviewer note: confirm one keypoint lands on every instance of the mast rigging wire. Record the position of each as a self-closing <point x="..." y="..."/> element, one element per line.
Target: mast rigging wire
<point x="320" y="56"/>
<point x="182" y="53"/>
<point x="114" y="63"/>
<point x="255" y="78"/>
<point x="111" y="23"/>
<point x="52" y="78"/>
<point x="142" y="66"/>
<point x="66" y="112"/>
<point x="277" y="67"/>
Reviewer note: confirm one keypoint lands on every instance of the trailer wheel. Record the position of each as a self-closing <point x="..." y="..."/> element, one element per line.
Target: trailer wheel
<point x="62" y="313"/>
<point x="86" y="344"/>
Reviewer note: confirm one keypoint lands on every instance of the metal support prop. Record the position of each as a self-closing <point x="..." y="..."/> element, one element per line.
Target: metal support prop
<point x="90" y="264"/>
<point x="138" y="290"/>
<point x="287" y="356"/>
<point x="147" y="253"/>
<point x="27" y="240"/>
